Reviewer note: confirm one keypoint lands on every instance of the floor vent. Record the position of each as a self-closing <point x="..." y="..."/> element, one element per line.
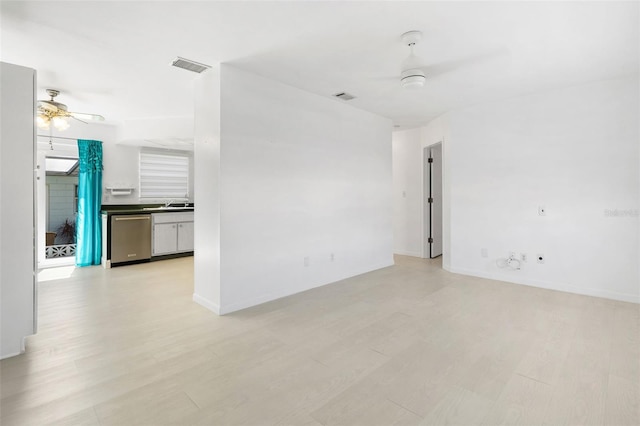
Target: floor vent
<point x="344" y="96"/>
<point x="190" y="65"/>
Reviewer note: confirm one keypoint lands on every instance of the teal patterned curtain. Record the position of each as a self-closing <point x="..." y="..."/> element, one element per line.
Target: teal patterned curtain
<point x="88" y="226"/>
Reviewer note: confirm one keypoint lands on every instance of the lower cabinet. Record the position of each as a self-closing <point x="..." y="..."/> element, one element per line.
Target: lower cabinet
<point x="172" y="233"/>
<point x="185" y="236"/>
<point x="165" y="238"/>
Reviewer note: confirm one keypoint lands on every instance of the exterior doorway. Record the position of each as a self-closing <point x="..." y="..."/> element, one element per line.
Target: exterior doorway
<point x="57" y="194"/>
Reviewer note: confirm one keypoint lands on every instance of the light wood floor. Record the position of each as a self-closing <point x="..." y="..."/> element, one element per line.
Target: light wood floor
<point x="409" y="344"/>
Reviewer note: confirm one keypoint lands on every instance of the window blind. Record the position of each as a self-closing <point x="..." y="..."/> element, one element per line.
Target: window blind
<point x="164" y="175"/>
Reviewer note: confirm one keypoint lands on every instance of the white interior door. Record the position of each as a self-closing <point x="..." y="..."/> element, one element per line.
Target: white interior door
<point x="432" y="184"/>
<point x="436" y="201"/>
<point x="426" y="194"/>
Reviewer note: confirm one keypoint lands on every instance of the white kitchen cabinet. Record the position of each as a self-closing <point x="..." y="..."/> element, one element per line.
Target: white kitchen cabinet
<point x="165" y="238"/>
<point x="172" y="233"/>
<point x="185" y="236"/>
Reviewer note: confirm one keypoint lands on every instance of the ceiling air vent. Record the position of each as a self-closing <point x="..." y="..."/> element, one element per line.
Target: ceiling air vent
<point x="344" y="96"/>
<point x="190" y="65"/>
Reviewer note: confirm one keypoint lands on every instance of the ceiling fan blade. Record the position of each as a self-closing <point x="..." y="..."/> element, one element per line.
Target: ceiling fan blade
<point x="468" y="61"/>
<point x="76" y="118"/>
<point x="386" y="78"/>
<point x="84" y="116"/>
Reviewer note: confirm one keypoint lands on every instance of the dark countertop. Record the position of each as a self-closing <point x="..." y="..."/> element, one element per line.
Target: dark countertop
<point x="111" y="209"/>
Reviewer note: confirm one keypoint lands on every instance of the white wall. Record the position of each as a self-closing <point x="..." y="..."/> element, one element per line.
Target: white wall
<point x="206" y="261"/>
<point x="17" y="264"/>
<point x="573" y="150"/>
<point x="168" y="134"/>
<point x="120" y="158"/>
<point x="408" y="204"/>
<point x="162" y="130"/>
<point x="301" y="176"/>
<point x="407" y="192"/>
<point x="121" y="164"/>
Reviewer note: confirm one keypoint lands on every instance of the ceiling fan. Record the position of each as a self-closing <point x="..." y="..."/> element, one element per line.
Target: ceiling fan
<point x="414" y="74"/>
<point x="55" y="113"/>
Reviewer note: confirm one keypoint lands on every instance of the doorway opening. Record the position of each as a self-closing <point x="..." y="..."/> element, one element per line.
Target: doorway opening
<point x="57" y="206"/>
<point x="61" y="180"/>
<point x="432" y="195"/>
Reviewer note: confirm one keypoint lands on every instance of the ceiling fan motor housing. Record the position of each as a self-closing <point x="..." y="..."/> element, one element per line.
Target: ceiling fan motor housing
<point x="52" y="106"/>
<point x="412" y="78"/>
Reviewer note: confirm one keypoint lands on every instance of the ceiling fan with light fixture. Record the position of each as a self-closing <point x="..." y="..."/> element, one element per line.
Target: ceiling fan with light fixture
<point x="414" y="73"/>
<point x="55" y="113"/>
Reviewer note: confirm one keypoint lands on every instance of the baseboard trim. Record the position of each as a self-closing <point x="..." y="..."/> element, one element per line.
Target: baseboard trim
<point x="238" y="306"/>
<point x="11" y="355"/>
<point x="207" y="304"/>
<point x="244" y="304"/>
<point x="408" y="253"/>
<point x="549" y="285"/>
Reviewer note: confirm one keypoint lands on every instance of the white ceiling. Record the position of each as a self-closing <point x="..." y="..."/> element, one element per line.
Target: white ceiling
<point x="112" y="58"/>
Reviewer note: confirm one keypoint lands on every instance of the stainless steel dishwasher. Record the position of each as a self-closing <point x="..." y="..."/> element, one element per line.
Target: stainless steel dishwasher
<point x="130" y="237"/>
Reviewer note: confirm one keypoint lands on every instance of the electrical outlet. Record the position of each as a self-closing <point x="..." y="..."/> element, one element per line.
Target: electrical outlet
<point x="542" y="211"/>
<point x="306" y="261"/>
<point x="540" y="258"/>
<point x="523" y="257"/>
<point x="332" y="257"/>
<point x="484" y="252"/>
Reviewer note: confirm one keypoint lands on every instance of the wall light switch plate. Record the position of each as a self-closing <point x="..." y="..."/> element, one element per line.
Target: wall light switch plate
<point x="542" y="211"/>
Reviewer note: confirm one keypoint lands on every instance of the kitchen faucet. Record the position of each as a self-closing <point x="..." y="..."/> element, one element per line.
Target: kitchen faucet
<point x="168" y="203"/>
